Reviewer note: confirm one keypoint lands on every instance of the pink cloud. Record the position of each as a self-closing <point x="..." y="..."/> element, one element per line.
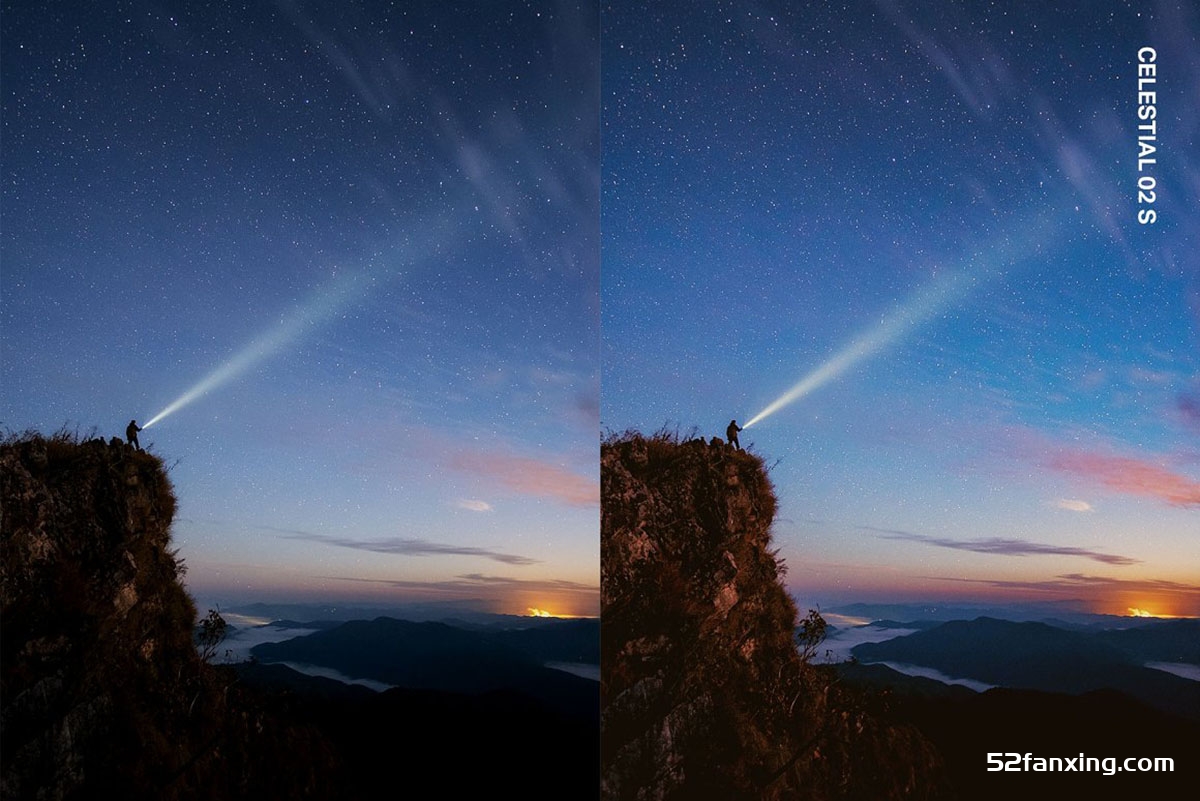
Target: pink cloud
<point x="529" y="476"/>
<point x="391" y="446"/>
<point x="1130" y="476"/>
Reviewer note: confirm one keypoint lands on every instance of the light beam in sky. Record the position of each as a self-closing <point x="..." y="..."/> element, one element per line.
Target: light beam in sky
<point x="322" y="306"/>
<point x="920" y="308"/>
<point x="319" y="308"/>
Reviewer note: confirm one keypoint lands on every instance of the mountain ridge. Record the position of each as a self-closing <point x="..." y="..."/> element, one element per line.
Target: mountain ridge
<point x="1038" y="656"/>
<point x="437" y="656"/>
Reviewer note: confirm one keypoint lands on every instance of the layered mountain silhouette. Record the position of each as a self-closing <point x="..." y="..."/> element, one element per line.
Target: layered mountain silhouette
<point x="1038" y="656"/>
<point x="438" y="656"/>
<point x="103" y="694"/>
<point x="1157" y="641"/>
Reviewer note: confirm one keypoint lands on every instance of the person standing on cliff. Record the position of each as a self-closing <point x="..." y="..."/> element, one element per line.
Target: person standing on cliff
<point x="731" y="434"/>
<point x="131" y="432"/>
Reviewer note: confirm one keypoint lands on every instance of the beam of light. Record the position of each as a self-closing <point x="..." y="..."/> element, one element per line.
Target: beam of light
<point x="916" y="310"/>
<point x="321" y="306"/>
<point x="921" y="307"/>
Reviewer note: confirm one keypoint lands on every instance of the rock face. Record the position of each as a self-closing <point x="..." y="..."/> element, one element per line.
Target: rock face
<point x="704" y="694"/>
<point x="101" y="687"/>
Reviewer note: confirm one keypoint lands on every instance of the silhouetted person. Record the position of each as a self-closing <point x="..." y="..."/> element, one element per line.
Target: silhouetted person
<point x="131" y="434"/>
<point x="731" y="434"/>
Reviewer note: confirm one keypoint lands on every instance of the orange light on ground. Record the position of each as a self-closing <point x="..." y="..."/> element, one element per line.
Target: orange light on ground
<point x="539" y="612"/>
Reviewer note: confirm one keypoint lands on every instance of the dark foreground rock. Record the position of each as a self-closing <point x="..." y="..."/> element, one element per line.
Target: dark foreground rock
<point x="704" y="692"/>
<point x="102" y="692"/>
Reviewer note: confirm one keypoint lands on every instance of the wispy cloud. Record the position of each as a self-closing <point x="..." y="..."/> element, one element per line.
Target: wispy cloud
<point x="1096" y="462"/>
<point x="479" y="581"/>
<point x="977" y="74"/>
<point x="1082" y="170"/>
<point x="405" y="547"/>
<point x="473" y="505"/>
<point x="529" y="476"/>
<point x="1139" y="374"/>
<point x="388" y="448"/>
<point x="1082" y="584"/>
<point x="1129" y="475"/>
<point x="377" y="75"/>
<point x="1072" y="505"/>
<point x="1005" y="547"/>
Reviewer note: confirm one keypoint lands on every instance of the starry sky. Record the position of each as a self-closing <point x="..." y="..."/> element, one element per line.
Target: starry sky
<point x="374" y="228"/>
<point x="926" y="216"/>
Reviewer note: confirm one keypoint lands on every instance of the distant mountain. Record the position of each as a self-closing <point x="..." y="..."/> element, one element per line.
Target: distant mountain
<point x="1064" y="614"/>
<point x="316" y="625"/>
<point x="435" y="656"/>
<point x="497" y="622"/>
<point x="915" y="611"/>
<point x="282" y="679"/>
<point x="1041" y="657"/>
<point x="547" y="639"/>
<point x="558" y="640"/>
<point x="882" y="677"/>
<point x="467" y="613"/>
<point x="911" y="624"/>
<point x="1158" y="641"/>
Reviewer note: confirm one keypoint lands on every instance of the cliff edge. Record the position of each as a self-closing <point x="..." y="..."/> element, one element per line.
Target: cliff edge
<point x="704" y="691"/>
<point x="101" y="688"/>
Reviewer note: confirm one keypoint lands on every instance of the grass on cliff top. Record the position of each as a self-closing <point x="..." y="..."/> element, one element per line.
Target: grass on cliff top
<point x="666" y="446"/>
<point x="65" y="442"/>
<point x="66" y="446"/>
<point x="665" y="442"/>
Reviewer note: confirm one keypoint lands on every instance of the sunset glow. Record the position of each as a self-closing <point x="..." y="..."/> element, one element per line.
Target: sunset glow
<point x="1136" y="612"/>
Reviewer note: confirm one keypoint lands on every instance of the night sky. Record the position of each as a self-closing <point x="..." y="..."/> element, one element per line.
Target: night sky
<point x="376" y="229"/>
<point x="377" y="225"/>
<point x="929" y="210"/>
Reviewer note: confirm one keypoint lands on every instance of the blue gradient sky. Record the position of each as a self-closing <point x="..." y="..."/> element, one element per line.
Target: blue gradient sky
<point x="780" y="179"/>
<point x="417" y="187"/>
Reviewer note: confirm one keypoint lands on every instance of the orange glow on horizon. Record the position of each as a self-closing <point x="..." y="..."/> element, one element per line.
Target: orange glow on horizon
<point x="535" y="612"/>
<point x="1138" y="612"/>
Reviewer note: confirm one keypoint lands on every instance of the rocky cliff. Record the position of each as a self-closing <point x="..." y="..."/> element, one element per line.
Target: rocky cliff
<point x="101" y="689"/>
<point x="704" y="692"/>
